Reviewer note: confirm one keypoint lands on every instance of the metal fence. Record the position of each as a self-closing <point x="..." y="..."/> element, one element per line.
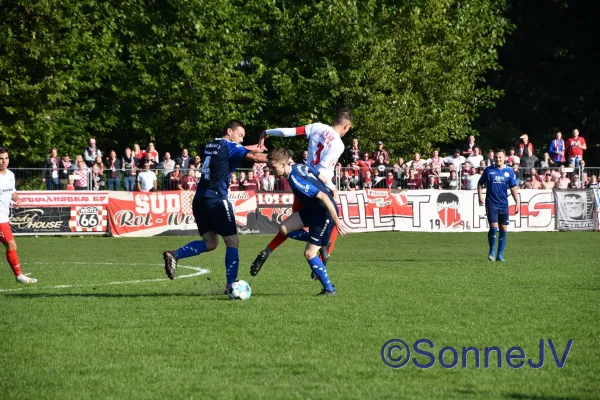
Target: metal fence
<point x="346" y="178"/>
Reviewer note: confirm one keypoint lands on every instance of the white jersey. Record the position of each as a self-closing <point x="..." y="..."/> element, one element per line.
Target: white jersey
<point x="7" y="188"/>
<point x="325" y="147"/>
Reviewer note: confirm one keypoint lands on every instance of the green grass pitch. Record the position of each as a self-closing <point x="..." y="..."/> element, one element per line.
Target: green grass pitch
<point x="104" y="322"/>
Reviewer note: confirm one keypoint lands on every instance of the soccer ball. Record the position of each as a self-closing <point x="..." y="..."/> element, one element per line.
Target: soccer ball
<point x="240" y="290"/>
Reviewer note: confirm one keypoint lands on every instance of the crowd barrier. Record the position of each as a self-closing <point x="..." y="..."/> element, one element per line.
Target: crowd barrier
<point x="170" y="213"/>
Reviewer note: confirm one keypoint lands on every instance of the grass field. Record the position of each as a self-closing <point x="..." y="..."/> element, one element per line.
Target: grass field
<point x="104" y="322"/>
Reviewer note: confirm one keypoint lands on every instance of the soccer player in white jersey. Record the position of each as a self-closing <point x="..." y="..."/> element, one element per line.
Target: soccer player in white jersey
<point x="8" y="197"/>
<point x="325" y="147"/>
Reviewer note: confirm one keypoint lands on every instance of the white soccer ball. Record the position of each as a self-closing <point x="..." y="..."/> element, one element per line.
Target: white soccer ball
<point x="240" y="290"/>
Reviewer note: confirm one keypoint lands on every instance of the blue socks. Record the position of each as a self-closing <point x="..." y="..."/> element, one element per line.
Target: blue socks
<point x="501" y="243"/>
<point x="191" y="249"/>
<point x="299" y="234"/>
<point x="319" y="269"/>
<point x="232" y="263"/>
<point x="492" y="239"/>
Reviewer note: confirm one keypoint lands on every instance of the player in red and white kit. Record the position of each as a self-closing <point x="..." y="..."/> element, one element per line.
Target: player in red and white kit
<point x="325" y="147"/>
<point x="8" y="197"/>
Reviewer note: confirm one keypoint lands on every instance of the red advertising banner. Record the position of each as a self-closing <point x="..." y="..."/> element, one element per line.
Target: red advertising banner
<point x="166" y="213"/>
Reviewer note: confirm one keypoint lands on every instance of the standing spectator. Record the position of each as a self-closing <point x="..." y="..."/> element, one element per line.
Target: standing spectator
<point x="524" y="143"/>
<point x="413" y="183"/>
<point x="417" y="163"/>
<point x="489" y="161"/>
<point x="166" y="167"/>
<point x="129" y="166"/>
<point x="153" y="153"/>
<point x="303" y="158"/>
<point x="593" y="182"/>
<point x="190" y="182"/>
<point x="184" y="160"/>
<point x="475" y="158"/>
<point x="582" y="174"/>
<point x="436" y="162"/>
<point x="364" y="164"/>
<point x="113" y="166"/>
<point x="148" y="160"/>
<point x="575" y="147"/>
<point x="242" y="179"/>
<point x="98" y="162"/>
<point x="546" y="162"/>
<point x="469" y="146"/>
<point x="234" y="184"/>
<point x="557" y="149"/>
<point x="81" y="181"/>
<point x="381" y="151"/>
<point x="98" y="182"/>
<point x="528" y="161"/>
<point x="51" y="171"/>
<point x="91" y="152"/>
<point x="353" y="152"/>
<point x="432" y="182"/>
<point x="146" y="180"/>
<point x="548" y="182"/>
<point x="197" y="161"/>
<point x="250" y="183"/>
<point x="452" y="183"/>
<point x="66" y="168"/>
<point x="563" y="182"/>
<point x="380" y="166"/>
<point x="367" y="182"/>
<point x="473" y="178"/>
<point x="576" y="183"/>
<point x="175" y="178"/>
<point x="512" y="157"/>
<point x="518" y="174"/>
<point x="282" y="185"/>
<point x="457" y="160"/>
<point x="137" y="151"/>
<point x="267" y="182"/>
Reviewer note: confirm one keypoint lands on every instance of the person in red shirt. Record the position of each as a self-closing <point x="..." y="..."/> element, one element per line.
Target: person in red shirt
<point x="234" y="184"/>
<point x="189" y="181"/>
<point x="251" y="183"/>
<point x="524" y="143"/>
<point x="575" y="147"/>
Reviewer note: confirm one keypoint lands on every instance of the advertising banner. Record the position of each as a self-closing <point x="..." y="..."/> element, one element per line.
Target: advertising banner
<point x="60" y="213"/>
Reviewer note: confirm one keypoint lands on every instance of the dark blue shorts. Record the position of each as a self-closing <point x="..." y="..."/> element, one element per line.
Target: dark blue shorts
<point x="319" y="225"/>
<point x="214" y="215"/>
<point x="495" y="215"/>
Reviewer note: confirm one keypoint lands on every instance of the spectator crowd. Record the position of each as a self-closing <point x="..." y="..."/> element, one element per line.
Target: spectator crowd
<point x="561" y="166"/>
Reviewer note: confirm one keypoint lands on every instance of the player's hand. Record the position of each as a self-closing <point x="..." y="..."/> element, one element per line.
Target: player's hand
<point x="517" y="208"/>
<point x="481" y="202"/>
<point x="261" y="139"/>
<point x="16" y="204"/>
<point x="339" y="224"/>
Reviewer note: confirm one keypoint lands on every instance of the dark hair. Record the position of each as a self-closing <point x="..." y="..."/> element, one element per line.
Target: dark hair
<point x="344" y="114"/>
<point x="3" y="150"/>
<point x="278" y="154"/>
<point x="232" y="124"/>
<point x="574" y="196"/>
<point x="502" y="151"/>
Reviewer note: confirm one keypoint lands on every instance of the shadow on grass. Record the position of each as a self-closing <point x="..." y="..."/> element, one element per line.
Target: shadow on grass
<point x="209" y="295"/>
<point x="523" y="396"/>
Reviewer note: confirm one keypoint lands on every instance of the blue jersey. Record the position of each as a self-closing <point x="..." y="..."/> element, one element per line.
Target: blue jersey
<point x="497" y="182"/>
<point x="221" y="158"/>
<point x="306" y="185"/>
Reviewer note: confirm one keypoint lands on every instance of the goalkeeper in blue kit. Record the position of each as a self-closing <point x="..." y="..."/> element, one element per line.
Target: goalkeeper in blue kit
<point x="498" y="180"/>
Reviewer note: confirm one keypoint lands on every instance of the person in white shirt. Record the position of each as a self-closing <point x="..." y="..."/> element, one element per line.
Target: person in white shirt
<point x="146" y="179"/>
<point x="476" y="157"/>
<point x="8" y="199"/>
<point x="267" y="182"/>
<point x="473" y="178"/>
<point x="457" y="160"/>
<point x="325" y="147"/>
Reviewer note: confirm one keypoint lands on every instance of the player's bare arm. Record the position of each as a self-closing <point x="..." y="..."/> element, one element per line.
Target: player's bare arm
<point x="331" y="209"/>
<point x="16" y="200"/>
<point x="256" y="148"/>
<point x="515" y="194"/>
<point x="256" y="157"/>
<point x="480" y="194"/>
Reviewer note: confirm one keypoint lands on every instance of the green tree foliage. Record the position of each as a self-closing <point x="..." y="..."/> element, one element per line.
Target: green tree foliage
<point x="174" y="71"/>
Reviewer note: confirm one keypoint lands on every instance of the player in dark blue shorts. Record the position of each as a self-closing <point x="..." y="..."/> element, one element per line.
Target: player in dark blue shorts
<point x="319" y="212"/>
<point x="498" y="180"/>
<point x="212" y="210"/>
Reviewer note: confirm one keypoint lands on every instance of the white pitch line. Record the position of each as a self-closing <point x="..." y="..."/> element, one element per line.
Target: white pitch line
<point x="199" y="271"/>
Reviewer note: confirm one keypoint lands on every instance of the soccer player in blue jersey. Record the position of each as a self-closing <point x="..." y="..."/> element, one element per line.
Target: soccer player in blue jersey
<point x="212" y="210"/>
<point x="319" y="212"/>
<point x="498" y="180"/>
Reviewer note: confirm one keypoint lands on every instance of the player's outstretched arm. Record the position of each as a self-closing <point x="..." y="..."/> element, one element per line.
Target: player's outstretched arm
<point x="256" y="147"/>
<point x="256" y="157"/>
<point x="329" y="206"/>
<point x="281" y="132"/>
